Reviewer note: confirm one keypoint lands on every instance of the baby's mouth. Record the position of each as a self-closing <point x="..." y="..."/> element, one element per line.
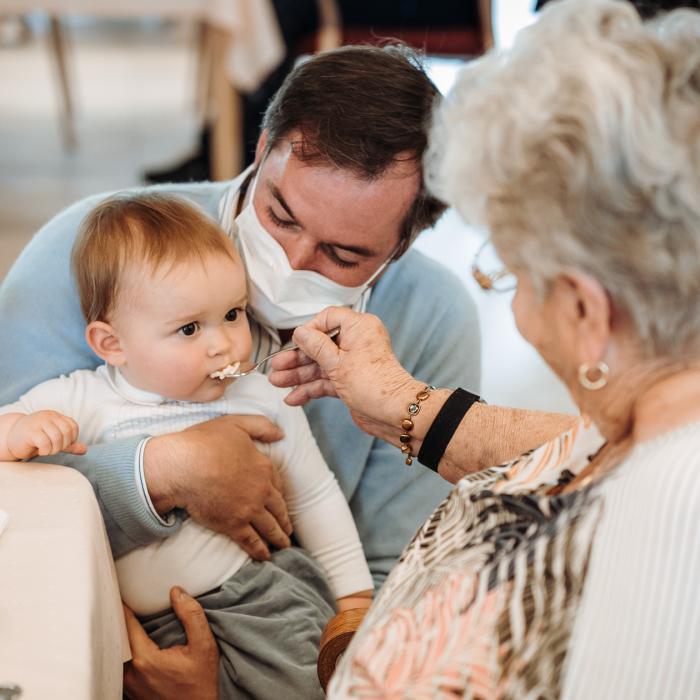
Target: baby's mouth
<point x="227" y="372"/>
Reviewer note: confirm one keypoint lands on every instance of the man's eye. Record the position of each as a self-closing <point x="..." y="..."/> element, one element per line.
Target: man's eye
<point x="334" y="257"/>
<point x="188" y="328"/>
<point x="284" y="223"/>
<point x="232" y="314"/>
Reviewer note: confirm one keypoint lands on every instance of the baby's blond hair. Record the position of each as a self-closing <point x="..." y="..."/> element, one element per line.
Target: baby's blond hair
<point x="146" y="228"/>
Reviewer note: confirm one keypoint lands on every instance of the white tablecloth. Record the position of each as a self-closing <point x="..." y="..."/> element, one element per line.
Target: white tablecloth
<point x="62" y="632"/>
<point x="256" y="42"/>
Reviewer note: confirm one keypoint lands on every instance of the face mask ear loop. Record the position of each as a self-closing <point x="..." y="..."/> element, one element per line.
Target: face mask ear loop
<point x="383" y="266"/>
<point x="254" y="185"/>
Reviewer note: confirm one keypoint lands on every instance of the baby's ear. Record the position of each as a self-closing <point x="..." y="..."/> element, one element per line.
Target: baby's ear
<point x="104" y="342"/>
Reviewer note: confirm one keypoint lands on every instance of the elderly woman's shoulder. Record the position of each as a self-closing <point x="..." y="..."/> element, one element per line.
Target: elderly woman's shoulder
<point x="661" y="475"/>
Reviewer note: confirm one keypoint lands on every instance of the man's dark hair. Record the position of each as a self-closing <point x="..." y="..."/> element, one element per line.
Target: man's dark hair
<point x="359" y="108"/>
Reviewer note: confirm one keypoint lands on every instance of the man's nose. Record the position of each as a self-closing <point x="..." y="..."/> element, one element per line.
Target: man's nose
<point x="300" y="253"/>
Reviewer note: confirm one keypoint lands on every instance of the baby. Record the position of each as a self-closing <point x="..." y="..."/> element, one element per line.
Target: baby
<point x="163" y="291"/>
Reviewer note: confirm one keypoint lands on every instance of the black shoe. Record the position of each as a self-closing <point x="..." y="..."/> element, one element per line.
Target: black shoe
<point x="193" y="169"/>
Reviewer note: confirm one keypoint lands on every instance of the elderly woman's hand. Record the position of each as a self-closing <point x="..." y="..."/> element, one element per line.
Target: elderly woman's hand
<point x="189" y="672"/>
<point x="358" y="366"/>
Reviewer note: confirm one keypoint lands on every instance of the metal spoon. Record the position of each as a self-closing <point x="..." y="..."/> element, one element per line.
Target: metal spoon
<point x="254" y="368"/>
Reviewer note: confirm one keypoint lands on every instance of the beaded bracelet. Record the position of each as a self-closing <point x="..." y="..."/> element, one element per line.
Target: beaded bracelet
<point x="407" y="423"/>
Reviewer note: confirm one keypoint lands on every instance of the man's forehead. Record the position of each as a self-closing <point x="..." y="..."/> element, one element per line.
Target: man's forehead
<point x="320" y="194"/>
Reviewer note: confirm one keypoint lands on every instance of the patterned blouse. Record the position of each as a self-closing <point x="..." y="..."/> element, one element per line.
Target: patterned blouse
<point x="485" y="599"/>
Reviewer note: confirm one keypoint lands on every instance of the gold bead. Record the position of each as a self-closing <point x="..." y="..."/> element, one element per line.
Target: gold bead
<point x="405" y="448"/>
<point x="422" y="395"/>
<point x="409" y="460"/>
<point x="407" y="424"/>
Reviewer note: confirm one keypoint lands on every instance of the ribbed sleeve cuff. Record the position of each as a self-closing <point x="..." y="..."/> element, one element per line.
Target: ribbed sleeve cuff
<point x="121" y="492"/>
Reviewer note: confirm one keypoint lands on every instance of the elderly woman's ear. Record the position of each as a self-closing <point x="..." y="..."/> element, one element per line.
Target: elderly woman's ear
<point x="570" y="322"/>
<point x="587" y="313"/>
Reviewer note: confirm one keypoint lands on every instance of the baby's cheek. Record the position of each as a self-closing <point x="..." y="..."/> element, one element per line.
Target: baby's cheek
<point x="247" y="350"/>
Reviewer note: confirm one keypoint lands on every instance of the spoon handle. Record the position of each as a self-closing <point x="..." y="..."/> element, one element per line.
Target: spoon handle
<point x="331" y="334"/>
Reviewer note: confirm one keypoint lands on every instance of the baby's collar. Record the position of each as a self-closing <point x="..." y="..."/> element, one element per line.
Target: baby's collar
<point x="129" y="392"/>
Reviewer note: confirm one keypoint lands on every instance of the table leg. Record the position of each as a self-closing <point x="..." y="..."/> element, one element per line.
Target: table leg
<point x="203" y="58"/>
<point x="226" y="155"/>
<point x="58" y="48"/>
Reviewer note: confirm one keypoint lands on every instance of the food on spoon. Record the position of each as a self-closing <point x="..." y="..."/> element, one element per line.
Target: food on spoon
<point x="226" y="372"/>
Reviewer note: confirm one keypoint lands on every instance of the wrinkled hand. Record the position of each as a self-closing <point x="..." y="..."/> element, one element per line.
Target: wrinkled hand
<point x="216" y="473"/>
<point x="44" y="433"/>
<point x="361" y="369"/>
<point x="189" y="672"/>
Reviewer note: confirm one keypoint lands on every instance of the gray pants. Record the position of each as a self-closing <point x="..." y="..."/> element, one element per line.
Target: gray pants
<point x="267" y="620"/>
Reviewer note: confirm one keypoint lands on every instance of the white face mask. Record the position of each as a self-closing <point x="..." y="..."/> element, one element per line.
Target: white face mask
<point x="280" y="296"/>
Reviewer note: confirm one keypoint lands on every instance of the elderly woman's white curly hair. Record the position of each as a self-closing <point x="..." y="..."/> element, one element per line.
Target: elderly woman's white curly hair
<point x="580" y="147"/>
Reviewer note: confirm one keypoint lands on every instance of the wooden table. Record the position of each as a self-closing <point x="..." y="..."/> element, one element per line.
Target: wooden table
<point x="62" y="632"/>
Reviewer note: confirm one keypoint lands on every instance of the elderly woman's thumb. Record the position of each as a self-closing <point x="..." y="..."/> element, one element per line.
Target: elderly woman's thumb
<point x="316" y="345"/>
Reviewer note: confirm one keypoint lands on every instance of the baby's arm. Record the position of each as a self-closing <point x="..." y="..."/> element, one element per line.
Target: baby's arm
<point x="362" y="599"/>
<point x="320" y="514"/>
<point x="27" y="435"/>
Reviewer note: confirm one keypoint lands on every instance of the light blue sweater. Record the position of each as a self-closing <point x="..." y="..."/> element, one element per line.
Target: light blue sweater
<point x="434" y="329"/>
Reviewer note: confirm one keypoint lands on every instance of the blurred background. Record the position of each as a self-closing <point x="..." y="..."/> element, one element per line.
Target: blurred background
<point x="98" y="96"/>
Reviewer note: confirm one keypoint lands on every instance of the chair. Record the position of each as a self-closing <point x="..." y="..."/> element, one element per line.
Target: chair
<point x="458" y="41"/>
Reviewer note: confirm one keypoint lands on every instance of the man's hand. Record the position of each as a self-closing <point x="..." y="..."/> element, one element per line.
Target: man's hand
<point x="189" y="672"/>
<point x="215" y="472"/>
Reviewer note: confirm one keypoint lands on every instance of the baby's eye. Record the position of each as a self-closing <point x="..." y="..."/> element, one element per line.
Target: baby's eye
<point x="189" y="328"/>
<point x="232" y="314"/>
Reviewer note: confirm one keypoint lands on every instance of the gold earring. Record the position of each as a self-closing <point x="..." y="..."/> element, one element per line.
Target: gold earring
<point x="601" y="371"/>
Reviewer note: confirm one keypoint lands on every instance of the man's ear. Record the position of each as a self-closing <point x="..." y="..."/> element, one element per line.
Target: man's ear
<point x="104" y="342"/>
<point x="260" y="148"/>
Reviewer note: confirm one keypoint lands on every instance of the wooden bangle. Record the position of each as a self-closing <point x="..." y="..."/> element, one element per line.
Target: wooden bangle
<point x="334" y="641"/>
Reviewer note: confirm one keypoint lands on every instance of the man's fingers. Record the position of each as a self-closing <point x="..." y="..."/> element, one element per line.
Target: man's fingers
<point x="313" y="390"/>
<point x="194" y="620"/>
<point x="277" y="505"/>
<point x="270" y="530"/>
<point x="141" y="644"/>
<point x="247" y="539"/>
<point x="259" y="428"/>
<point x="276" y="494"/>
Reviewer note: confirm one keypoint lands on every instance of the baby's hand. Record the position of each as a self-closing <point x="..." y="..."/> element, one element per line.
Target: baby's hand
<point x="44" y="433"/>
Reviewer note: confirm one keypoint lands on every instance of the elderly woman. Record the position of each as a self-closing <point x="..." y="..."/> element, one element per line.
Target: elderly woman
<point x="573" y="570"/>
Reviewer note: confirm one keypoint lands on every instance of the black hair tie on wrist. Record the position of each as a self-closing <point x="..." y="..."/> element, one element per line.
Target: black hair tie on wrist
<point x="444" y="426"/>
